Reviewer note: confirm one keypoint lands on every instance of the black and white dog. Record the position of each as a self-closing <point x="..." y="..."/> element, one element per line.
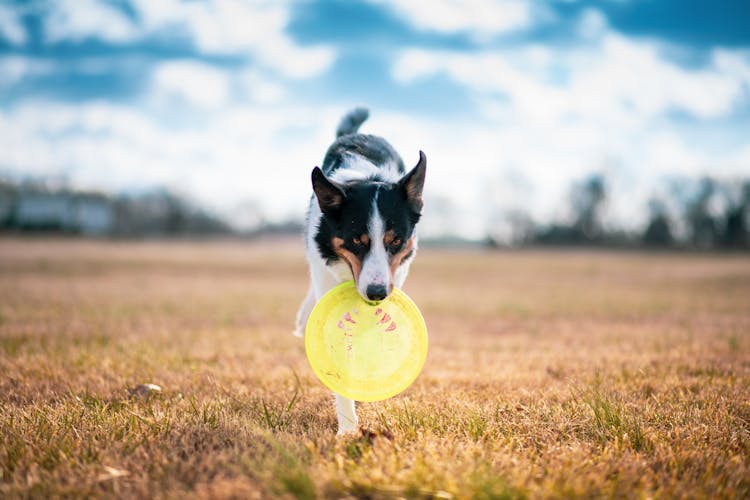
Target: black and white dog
<point x="360" y="224"/>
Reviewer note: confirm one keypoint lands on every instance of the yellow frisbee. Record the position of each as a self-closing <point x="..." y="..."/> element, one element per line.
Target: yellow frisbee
<point x="364" y="351"/>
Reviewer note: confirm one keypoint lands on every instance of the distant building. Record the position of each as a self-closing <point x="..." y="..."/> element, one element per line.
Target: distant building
<point x="8" y="194"/>
<point x="63" y="210"/>
<point x="93" y="214"/>
<point x="43" y="210"/>
<point x="51" y="206"/>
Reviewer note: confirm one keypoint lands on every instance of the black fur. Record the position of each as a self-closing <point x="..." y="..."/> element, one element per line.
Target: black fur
<point x="330" y="196"/>
<point x="373" y="148"/>
<point x="351" y="220"/>
<point x="398" y="214"/>
<point x="349" y="223"/>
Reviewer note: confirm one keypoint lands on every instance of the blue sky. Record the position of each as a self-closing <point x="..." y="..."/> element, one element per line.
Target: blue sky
<point x="233" y="102"/>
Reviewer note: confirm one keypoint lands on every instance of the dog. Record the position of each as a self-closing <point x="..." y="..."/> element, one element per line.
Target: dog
<point x="360" y="224"/>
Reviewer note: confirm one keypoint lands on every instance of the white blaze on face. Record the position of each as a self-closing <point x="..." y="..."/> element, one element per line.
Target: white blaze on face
<point x="375" y="267"/>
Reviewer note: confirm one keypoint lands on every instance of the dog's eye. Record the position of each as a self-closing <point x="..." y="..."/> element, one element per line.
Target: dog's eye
<point x="357" y="241"/>
<point x="395" y="245"/>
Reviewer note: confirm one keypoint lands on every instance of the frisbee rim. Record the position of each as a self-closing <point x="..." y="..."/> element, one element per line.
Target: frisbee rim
<point x="410" y="310"/>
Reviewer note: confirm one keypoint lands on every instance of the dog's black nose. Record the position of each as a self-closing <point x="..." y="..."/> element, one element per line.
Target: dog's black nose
<point x="376" y="292"/>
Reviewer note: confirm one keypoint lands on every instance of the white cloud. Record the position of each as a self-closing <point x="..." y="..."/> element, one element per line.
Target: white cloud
<point x="218" y="26"/>
<point x="191" y="86"/>
<point x="734" y="63"/>
<point x="592" y="24"/>
<point x="192" y="82"/>
<point x="82" y="19"/>
<point x="234" y="26"/>
<point x="256" y="29"/>
<point x="631" y="74"/>
<point x="616" y="78"/>
<point x="13" y="69"/>
<point x="489" y="74"/>
<point x="260" y="89"/>
<point x="292" y="61"/>
<point x="11" y="28"/>
<point x="481" y="18"/>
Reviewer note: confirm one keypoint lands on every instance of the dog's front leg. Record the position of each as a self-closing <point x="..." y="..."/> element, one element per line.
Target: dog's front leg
<point x="304" y="312"/>
<point x="323" y="279"/>
<point x="346" y="415"/>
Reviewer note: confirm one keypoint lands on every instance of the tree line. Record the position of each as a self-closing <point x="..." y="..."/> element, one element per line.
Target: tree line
<point x="704" y="214"/>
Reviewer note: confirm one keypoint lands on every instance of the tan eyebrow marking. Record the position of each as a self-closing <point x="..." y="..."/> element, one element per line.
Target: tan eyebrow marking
<point x="354" y="263"/>
<point x="365" y="239"/>
<point x="389" y="236"/>
<point x="397" y="259"/>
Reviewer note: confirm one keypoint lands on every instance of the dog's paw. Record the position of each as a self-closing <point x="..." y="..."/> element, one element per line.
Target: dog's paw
<point x="347" y="429"/>
<point x="297" y="332"/>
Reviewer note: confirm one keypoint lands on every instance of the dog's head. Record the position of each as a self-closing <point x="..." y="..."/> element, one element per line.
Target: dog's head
<point x="370" y="226"/>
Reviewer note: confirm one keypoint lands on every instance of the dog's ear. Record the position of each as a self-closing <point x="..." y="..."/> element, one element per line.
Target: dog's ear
<point x="330" y="196"/>
<point x="412" y="183"/>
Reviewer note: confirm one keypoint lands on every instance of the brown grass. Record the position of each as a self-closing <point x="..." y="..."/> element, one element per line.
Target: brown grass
<point x="550" y="374"/>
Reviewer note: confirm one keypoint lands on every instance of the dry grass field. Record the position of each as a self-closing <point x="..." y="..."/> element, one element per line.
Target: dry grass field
<point x="550" y="374"/>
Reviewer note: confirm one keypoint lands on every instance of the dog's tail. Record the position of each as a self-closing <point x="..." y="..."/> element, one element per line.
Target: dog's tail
<point x="351" y="121"/>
